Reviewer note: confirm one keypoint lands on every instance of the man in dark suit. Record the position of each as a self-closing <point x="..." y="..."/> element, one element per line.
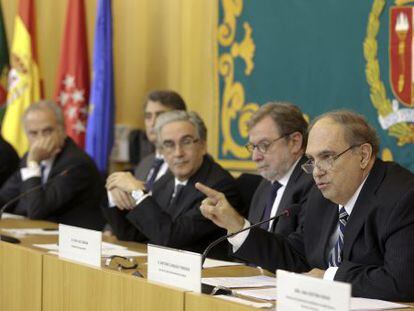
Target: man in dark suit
<point x="170" y="216"/>
<point x="9" y="160"/>
<point x="277" y="142"/>
<point x="152" y="167"/>
<point x="75" y="189"/>
<point x="359" y="219"/>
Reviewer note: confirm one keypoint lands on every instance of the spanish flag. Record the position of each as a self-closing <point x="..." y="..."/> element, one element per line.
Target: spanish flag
<point x="24" y="82"/>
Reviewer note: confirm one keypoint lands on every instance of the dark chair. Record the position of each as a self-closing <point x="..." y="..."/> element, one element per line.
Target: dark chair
<point x="139" y="146"/>
<point x="246" y="185"/>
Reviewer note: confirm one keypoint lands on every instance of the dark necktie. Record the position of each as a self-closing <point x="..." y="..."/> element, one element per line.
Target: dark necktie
<point x="42" y="173"/>
<point x="177" y="193"/>
<point x="152" y="175"/>
<point x="335" y="256"/>
<point x="269" y="203"/>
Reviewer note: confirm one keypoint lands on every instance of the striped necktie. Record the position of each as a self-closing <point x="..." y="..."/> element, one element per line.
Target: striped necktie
<point x="335" y="256"/>
<point x="152" y="175"/>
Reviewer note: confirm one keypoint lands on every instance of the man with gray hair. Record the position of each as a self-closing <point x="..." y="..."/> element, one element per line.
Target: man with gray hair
<point x="170" y="215"/>
<point x="359" y="217"/>
<point x="72" y="187"/>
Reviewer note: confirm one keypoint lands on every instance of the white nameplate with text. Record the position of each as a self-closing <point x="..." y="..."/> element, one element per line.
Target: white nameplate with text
<point x="297" y="292"/>
<point x="174" y="267"/>
<point x="80" y="244"/>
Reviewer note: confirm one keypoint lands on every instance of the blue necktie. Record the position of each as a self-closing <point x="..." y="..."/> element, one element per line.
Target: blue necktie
<point x="152" y="175"/>
<point x="335" y="256"/>
<point x="269" y="204"/>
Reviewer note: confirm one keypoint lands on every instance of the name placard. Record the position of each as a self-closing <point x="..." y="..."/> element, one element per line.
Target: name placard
<point x="174" y="267"/>
<point x="300" y="292"/>
<point x="80" y="244"/>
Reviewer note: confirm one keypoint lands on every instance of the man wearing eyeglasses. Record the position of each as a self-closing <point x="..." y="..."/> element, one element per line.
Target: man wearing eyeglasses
<point x="277" y="143"/>
<point x="171" y="216"/>
<point x="359" y="219"/>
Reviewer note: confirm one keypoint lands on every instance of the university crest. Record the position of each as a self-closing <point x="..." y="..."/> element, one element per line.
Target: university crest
<point x="393" y="99"/>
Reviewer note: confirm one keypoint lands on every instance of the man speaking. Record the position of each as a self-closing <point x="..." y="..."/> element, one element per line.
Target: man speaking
<point x="359" y="219"/>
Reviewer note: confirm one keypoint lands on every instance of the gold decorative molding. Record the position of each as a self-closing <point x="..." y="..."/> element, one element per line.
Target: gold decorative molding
<point x="234" y="109"/>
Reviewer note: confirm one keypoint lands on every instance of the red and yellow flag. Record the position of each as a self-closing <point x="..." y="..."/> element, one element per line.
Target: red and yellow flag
<point x="24" y="81"/>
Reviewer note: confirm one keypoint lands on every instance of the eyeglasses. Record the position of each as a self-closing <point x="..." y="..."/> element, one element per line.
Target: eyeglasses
<point x="121" y="262"/>
<point x="326" y="163"/>
<point x="263" y="146"/>
<point x="186" y="144"/>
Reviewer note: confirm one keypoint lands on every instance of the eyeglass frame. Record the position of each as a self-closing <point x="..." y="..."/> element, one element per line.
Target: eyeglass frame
<point x="330" y="160"/>
<point x="120" y="266"/>
<point x="185" y="143"/>
<point x="251" y="147"/>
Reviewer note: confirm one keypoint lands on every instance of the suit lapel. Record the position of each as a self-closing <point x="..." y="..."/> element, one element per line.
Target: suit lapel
<point x="328" y="222"/>
<point x="260" y="204"/>
<point x="189" y="192"/>
<point x="363" y="206"/>
<point x="287" y="194"/>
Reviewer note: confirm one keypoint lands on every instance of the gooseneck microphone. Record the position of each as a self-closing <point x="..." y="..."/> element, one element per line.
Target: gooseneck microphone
<point x="284" y="213"/>
<point x="22" y="195"/>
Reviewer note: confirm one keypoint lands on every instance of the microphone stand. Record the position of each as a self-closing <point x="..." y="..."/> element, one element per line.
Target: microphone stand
<point x="14" y="240"/>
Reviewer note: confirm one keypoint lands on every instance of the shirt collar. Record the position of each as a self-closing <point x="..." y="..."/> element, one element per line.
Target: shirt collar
<point x="349" y="206"/>
<point x="179" y="182"/>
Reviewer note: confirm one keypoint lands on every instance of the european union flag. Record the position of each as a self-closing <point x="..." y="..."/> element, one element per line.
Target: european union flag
<point x="100" y="128"/>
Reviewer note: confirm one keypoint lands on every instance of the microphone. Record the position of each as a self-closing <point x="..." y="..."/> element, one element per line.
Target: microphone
<point x="22" y="195"/>
<point x="284" y="213"/>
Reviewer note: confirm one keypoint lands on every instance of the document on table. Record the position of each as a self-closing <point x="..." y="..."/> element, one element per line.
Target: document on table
<point x="364" y="304"/>
<point x="108" y="250"/>
<point x="213" y="263"/>
<point x="246" y="302"/>
<point x="31" y="231"/>
<point x="240" y="282"/>
<point x="12" y="216"/>
<point x="260" y="293"/>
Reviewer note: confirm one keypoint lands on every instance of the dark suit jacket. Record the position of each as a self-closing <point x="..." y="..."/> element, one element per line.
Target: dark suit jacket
<point x="9" y="160"/>
<point x="180" y="225"/>
<point x="144" y="166"/>
<point x="293" y="198"/>
<point x="71" y="199"/>
<point x="378" y="254"/>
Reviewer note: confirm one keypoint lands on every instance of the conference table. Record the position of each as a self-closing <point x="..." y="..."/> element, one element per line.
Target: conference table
<point x="33" y="279"/>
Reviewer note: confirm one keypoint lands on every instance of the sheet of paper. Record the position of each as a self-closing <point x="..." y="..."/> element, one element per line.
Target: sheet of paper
<point x="246" y="302"/>
<point x="240" y="282"/>
<point x="31" y="231"/>
<point x="364" y="304"/>
<point x="261" y="293"/>
<point x="12" y="216"/>
<point x="107" y="245"/>
<point x="121" y="252"/>
<point x="50" y="247"/>
<point x="108" y="250"/>
<point x="212" y="263"/>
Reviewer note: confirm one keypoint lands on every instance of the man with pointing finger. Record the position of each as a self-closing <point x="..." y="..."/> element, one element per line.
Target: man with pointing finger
<point x="359" y="215"/>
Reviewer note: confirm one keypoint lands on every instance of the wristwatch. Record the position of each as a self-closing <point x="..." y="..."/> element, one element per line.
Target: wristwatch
<point x="137" y="194"/>
<point x="32" y="164"/>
